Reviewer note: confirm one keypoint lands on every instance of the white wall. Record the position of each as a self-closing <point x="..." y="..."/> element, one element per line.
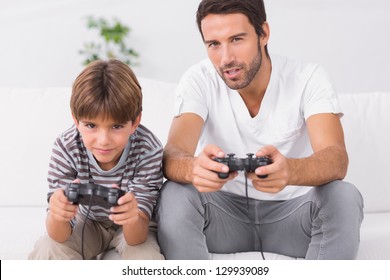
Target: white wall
<point x="40" y="39"/>
<point x="351" y="38"/>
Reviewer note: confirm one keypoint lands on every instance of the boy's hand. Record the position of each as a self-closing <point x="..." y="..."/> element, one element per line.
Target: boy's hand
<point x="127" y="211"/>
<point x="60" y="208"/>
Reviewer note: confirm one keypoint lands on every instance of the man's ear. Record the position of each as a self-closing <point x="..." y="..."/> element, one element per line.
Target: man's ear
<point x="265" y="37"/>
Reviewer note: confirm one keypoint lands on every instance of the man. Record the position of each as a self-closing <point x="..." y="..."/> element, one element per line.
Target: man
<point x="244" y="100"/>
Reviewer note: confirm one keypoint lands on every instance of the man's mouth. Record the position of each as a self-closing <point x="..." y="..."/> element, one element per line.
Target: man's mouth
<point x="232" y="73"/>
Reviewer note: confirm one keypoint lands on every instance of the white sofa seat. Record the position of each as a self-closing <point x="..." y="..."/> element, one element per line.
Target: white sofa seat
<point x="32" y="118"/>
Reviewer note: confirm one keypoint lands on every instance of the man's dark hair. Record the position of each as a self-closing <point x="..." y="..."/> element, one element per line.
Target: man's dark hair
<point x="254" y="10"/>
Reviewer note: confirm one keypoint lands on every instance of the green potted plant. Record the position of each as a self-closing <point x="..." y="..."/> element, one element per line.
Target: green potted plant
<point x="111" y="42"/>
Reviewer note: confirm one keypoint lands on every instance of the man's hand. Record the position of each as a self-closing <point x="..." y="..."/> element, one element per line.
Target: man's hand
<point x="278" y="172"/>
<point x="205" y="169"/>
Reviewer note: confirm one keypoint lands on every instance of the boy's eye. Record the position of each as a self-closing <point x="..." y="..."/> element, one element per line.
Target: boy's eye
<point x="90" y="125"/>
<point x="117" y="126"/>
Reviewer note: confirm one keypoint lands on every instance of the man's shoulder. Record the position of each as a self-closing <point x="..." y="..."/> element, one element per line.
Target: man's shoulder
<point x="203" y="65"/>
<point x="201" y="75"/>
<point x="201" y="69"/>
<point x="287" y="66"/>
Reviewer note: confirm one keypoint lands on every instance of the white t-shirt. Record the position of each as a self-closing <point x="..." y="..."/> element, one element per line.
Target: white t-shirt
<point x="295" y="92"/>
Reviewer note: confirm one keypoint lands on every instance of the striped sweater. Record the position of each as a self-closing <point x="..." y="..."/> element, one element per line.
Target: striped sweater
<point x="138" y="170"/>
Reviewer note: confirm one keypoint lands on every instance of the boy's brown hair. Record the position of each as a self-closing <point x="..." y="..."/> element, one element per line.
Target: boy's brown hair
<point x="108" y="89"/>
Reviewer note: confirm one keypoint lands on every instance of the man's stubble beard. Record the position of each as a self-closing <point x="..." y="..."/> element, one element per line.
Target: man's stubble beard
<point x="249" y="74"/>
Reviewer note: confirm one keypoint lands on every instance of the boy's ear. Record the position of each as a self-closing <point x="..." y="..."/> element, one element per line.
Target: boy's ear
<point x="136" y="122"/>
<point x="76" y="122"/>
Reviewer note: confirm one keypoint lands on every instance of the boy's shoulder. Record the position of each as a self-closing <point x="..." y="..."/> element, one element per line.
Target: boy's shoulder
<point x="146" y="138"/>
<point x="69" y="138"/>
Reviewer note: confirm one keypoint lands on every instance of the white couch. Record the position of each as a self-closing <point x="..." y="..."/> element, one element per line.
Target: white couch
<point x="32" y="118"/>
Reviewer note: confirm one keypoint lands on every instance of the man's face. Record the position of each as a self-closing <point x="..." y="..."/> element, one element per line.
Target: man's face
<point x="233" y="47"/>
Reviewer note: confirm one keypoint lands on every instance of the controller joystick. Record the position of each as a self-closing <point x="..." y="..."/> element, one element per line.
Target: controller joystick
<point x="112" y="196"/>
<point x="93" y="194"/>
<point x="73" y="195"/>
<point x="248" y="164"/>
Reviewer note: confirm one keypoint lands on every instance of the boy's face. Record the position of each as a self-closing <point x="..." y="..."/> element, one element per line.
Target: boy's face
<point x="106" y="139"/>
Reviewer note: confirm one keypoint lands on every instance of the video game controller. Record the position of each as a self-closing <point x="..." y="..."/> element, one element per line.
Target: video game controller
<point x="102" y="196"/>
<point x="248" y="164"/>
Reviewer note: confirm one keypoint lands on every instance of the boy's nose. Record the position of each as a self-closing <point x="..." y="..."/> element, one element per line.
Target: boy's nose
<point x="103" y="138"/>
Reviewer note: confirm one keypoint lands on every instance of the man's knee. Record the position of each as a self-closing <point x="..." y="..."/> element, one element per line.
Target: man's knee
<point x="342" y="203"/>
<point x="177" y="201"/>
<point x="341" y="194"/>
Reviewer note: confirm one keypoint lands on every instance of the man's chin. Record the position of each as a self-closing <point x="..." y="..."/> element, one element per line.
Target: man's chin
<point x="235" y="85"/>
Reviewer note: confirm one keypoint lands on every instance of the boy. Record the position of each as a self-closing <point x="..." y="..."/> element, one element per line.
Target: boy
<point x="106" y="146"/>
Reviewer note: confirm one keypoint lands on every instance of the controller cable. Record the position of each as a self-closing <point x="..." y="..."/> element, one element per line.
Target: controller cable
<point x="257" y="233"/>
<point x="85" y="222"/>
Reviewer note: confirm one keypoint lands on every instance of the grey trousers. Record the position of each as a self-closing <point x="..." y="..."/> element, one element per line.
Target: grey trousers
<point x="322" y="224"/>
<point x="98" y="238"/>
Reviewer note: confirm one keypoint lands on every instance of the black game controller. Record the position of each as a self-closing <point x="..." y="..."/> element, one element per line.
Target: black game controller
<point x="248" y="164"/>
<point x="91" y="194"/>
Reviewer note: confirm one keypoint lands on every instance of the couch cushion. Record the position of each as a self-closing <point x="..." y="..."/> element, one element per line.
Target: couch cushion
<point x="375" y="237"/>
<point x="366" y="124"/>
<point x="374" y="243"/>
<point x="20" y="229"/>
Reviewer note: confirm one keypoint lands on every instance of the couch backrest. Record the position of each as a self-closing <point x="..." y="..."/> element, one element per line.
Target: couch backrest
<point x="30" y="121"/>
<point x="366" y="125"/>
<point x="28" y="114"/>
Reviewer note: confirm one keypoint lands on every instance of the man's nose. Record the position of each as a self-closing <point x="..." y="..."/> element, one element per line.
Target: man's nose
<point x="227" y="56"/>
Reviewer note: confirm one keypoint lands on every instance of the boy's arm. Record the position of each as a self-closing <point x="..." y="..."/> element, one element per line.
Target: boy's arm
<point x="136" y="206"/>
<point x="134" y="222"/>
<point x="61" y="211"/>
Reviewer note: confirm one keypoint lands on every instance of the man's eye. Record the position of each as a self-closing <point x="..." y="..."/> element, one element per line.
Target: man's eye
<point x="213" y="44"/>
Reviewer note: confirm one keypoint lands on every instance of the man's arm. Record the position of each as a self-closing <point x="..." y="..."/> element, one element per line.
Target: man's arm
<point x="328" y="162"/>
<point x="179" y="151"/>
<point x="179" y="163"/>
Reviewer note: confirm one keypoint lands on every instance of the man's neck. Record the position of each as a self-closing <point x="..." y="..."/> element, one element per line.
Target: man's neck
<point x="254" y="93"/>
